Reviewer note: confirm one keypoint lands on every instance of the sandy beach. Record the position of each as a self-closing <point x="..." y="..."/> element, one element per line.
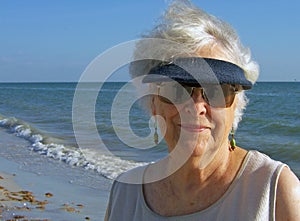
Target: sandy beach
<point x="33" y="187"/>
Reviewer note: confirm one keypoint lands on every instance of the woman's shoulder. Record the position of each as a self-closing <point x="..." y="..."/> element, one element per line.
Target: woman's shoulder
<point x="259" y="167"/>
<point x="271" y="181"/>
<point x="285" y="187"/>
<point x="125" y="188"/>
<point x="132" y="176"/>
<point x="288" y="196"/>
<point x="259" y="159"/>
<point x="127" y="183"/>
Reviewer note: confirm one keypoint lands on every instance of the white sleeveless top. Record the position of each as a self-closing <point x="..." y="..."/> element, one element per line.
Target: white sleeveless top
<point x="251" y="196"/>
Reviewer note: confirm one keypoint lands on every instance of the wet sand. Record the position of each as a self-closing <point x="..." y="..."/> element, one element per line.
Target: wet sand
<point x="41" y="191"/>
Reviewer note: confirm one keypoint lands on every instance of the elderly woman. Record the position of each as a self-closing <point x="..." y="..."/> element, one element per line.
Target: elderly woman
<point x="197" y="98"/>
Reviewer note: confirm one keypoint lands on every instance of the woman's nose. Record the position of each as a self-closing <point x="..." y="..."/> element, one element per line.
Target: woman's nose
<point x="197" y="105"/>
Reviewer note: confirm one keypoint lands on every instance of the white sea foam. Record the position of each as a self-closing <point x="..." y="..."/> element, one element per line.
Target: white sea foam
<point x="109" y="166"/>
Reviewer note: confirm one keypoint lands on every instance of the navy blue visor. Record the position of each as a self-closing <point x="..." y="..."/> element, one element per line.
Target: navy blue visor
<point x="198" y="71"/>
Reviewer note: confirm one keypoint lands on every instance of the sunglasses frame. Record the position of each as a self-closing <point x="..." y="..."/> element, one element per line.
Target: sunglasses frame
<point x="235" y="89"/>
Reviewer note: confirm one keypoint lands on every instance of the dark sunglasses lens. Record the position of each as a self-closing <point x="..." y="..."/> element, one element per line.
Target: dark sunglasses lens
<point x="219" y="96"/>
<point x="174" y="93"/>
<point x="215" y="95"/>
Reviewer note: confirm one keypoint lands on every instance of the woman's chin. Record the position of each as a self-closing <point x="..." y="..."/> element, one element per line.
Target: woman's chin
<point x="195" y="149"/>
<point x="201" y="149"/>
<point x="198" y="152"/>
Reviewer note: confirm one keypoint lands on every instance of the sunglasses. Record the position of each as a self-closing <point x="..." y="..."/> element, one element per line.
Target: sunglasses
<point x="219" y="96"/>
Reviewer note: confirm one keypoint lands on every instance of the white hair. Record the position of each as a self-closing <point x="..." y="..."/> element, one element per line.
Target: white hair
<point x="195" y="30"/>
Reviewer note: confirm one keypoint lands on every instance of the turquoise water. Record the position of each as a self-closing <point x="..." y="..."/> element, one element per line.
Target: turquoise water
<point x="42" y="114"/>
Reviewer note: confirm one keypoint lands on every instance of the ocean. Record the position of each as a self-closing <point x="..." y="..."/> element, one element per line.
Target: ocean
<point x="41" y="114"/>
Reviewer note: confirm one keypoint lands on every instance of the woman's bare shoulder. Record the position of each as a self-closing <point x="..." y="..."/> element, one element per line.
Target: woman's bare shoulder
<point x="288" y="196"/>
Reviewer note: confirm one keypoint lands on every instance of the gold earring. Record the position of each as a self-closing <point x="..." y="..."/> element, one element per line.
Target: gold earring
<point x="232" y="141"/>
<point x="155" y="136"/>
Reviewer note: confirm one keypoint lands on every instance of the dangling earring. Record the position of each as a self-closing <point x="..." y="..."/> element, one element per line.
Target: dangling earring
<point x="155" y="136"/>
<point x="232" y="141"/>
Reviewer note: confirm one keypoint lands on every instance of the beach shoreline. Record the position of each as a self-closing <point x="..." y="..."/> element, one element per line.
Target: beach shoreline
<point x="40" y="191"/>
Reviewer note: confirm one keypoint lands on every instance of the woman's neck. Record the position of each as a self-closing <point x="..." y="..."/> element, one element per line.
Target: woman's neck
<point x="191" y="173"/>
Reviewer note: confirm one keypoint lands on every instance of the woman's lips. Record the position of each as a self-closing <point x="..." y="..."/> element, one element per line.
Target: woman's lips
<point x="194" y="128"/>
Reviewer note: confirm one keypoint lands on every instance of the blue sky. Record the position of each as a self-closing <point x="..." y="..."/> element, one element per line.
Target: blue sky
<point x="51" y="40"/>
